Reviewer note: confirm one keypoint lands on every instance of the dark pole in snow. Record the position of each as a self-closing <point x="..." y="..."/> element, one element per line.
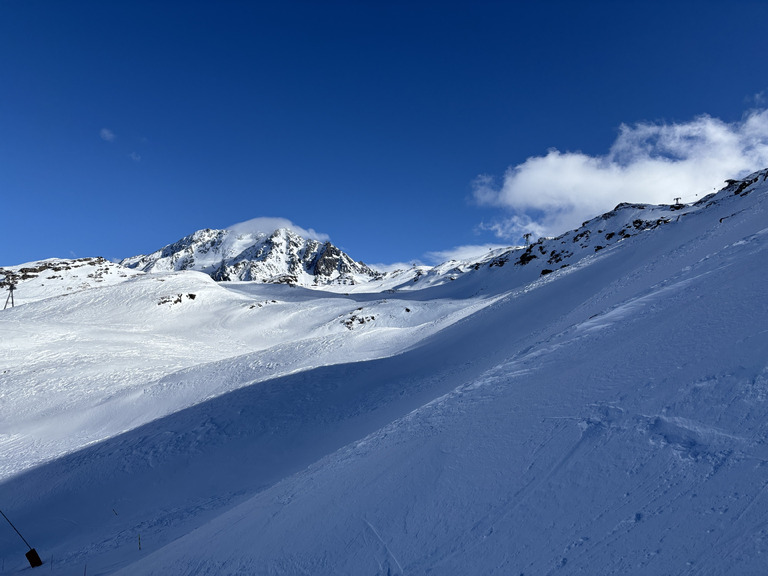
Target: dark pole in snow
<point x="32" y="556"/>
<point x="9" y="299"/>
<point x="17" y="531"/>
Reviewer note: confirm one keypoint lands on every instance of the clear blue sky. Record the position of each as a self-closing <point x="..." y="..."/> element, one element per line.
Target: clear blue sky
<point x="127" y="124"/>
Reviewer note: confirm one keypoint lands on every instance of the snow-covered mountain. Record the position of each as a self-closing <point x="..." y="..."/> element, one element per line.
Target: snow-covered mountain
<point x="57" y="277"/>
<point x="279" y="257"/>
<point x="595" y="403"/>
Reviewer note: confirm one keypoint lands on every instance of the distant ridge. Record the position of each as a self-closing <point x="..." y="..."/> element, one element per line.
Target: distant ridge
<point x="280" y="257"/>
<point x="285" y="257"/>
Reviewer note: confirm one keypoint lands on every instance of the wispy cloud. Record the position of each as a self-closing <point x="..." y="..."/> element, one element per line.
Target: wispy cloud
<point x="648" y="162"/>
<point x="135" y="157"/>
<point x="107" y="135"/>
<point x="757" y="100"/>
<point x="393" y="267"/>
<point x="469" y="252"/>
<point x="269" y="225"/>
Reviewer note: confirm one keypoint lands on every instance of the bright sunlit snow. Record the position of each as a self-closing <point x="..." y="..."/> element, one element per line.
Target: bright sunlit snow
<point x="595" y="403"/>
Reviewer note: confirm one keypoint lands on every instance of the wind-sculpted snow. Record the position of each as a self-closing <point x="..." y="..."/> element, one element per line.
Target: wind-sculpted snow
<point x="607" y="417"/>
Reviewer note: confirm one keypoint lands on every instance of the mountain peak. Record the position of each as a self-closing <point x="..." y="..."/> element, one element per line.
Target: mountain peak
<point x="282" y="256"/>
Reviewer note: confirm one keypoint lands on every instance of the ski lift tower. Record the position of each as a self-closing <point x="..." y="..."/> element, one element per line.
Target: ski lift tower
<point x="10" y="281"/>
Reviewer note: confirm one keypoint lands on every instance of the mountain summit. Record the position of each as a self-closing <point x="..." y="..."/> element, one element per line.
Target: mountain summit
<point x="282" y="257"/>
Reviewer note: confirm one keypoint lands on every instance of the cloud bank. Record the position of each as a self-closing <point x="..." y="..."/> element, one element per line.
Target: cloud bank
<point x="269" y="225"/>
<point x="650" y="163"/>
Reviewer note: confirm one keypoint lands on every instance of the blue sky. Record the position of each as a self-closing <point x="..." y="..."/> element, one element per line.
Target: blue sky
<point x="401" y="130"/>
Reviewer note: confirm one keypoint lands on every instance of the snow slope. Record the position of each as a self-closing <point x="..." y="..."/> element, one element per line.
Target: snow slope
<point x="83" y="367"/>
<point x="56" y="277"/>
<point x="608" y="417"/>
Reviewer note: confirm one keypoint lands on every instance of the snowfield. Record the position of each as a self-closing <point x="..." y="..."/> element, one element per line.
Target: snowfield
<point x="595" y="403"/>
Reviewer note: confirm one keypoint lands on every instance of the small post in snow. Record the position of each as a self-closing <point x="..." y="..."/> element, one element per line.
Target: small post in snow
<point x="527" y="237"/>
<point x="32" y="556"/>
<point x="677" y="201"/>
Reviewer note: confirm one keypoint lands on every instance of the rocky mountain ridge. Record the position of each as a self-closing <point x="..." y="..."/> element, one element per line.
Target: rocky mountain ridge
<point x="282" y="257"/>
<point x="623" y="222"/>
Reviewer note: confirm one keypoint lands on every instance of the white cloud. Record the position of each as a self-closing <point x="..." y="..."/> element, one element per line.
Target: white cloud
<point x="652" y="163"/>
<point x="135" y="157"/>
<point x="470" y="252"/>
<point x="107" y="135"/>
<point x="394" y="266"/>
<point x="269" y="225"/>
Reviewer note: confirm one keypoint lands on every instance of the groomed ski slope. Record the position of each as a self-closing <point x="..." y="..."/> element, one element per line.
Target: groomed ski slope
<point x="607" y="418"/>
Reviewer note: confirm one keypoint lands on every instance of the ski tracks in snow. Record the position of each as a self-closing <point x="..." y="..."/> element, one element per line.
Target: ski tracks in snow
<point x="383" y="563"/>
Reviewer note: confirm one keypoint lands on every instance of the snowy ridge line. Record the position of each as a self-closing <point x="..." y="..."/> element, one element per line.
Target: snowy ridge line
<point x="286" y="257"/>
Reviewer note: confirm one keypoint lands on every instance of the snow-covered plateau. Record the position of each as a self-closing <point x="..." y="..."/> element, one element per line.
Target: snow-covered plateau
<point x="594" y="404"/>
